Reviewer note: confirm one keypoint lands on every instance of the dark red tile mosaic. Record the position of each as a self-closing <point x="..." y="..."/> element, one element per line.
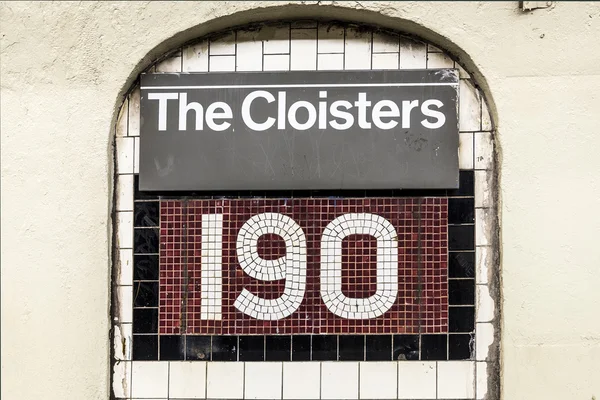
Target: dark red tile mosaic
<point x="421" y="305"/>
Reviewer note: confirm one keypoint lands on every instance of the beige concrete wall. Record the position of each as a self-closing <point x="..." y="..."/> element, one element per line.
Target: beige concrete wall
<point x="64" y="65"/>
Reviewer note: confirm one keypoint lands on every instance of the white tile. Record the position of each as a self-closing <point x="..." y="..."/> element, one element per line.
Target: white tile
<point x="150" y="379"/>
<point x="482" y="382"/>
<point x="125" y="299"/>
<point x="122" y="341"/>
<point x="124" y="192"/>
<point x="222" y="63"/>
<point x="378" y="380"/>
<point x="416" y="380"/>
<point x="225" y="380"/>
<point x="304" y="24"/>
<point x="456" y="379"/>
<point x="171" y="64"/>
<point x="385" y="61"/>
<point x="224" y="45"/>
<point x="484" y="332"/>
<point x="432" y="49"/>
<point x="462" y="73"/>
<point x="484" y="196"/>
<point x="124" y="154"/>
<point x="125" y="267"/>
<point x="357" y="53"/>
<point x="439" y="60"/>
<point x="483" y="227"/>
<point x="195" y="57"/>
<point x="339" y="380"/>
<point x="276" y="62"/>
<point x="469" y="117"/>
<point x="465" y="150"/>
<point x="484" y="304"/>
<point x="121" y="125"/>
<point x="413" y="55"/>
<point x="484" y="150"/>
<point x="121" y="380"/>
<point x="330" y="62"/>
<point x="125" y="229"/>
<point x="276" y="40"/>
<point x="263" y="380"/>
<point x="134" y="113"/>
<point x="301" y="380"/>
<point x="249" y="51"/>
<point x="486" y="118"/>
<point x="385" y="43"/>
<point x="331" y="39"/>
<point x="483" y="260"/>
<point x="304" y="50"/>
<point x="187" y="380"/>
<point x="136" y="155"/>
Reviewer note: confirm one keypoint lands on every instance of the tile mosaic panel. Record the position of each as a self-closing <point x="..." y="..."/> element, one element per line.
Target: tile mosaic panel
<point x="304" y="266"/>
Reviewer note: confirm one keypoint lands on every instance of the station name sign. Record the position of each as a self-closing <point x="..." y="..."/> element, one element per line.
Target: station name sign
<point x="299" y="130"/>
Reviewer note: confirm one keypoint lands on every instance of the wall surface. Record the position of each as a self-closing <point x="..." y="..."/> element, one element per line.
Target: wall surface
<point x="65" y="66"/>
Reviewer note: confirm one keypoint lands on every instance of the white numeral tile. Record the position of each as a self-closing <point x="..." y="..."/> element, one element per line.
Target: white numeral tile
<point x="439" y="60"/>
<point x="481" y="384"/>
<point x="276" y="40"/>
<point x="122" y="119"/>
<point x="456" y="380"/>
<point x="276" y="62"/>
<point x="125" y="267"/>
<point x="136" y="155"/>
<point x="149" y="379"/>
<point x="263" y="380"/>
<point x="483" y="258"/>
<point x="331" y="39"/>
<point x="187" y="380"/>
<point x="301" y="380"/>
<point x="469" y="117"/>
<point x="465" y="150"/>
<point x="195" y="57"/>
<point x="304" y="50"/>
<point x="484" y="196"/>
<point x="124" y="154"/>
<point x="484" y="305"/>
<point x="134" y="113"/>
<point x="484" y="150"/>
<point x="413" y="55"/>
<point x="125" y="310"/>
<point x="385" y="61"/>
<point x="357" y="53"/>
<point x="222" y="63"/>
<point x="483" y="227"/>
<point x="225" y="380"/>
<point x="484" y="333"/>
<point x="224" y="45"/>
<point x="122" y="341"/>
<point x="378" y="380"/>
<point x="339" y="380"/>
<point x="385" y="43"/>
<point x="330" y="62"/>
<point x="125" y="229"/>
<point x="124" y="192"/>
<point x="171" y="64"/>
<point x="121" y="381"/>
<point x="249" y="52"/>
<point x="416" y="380"/>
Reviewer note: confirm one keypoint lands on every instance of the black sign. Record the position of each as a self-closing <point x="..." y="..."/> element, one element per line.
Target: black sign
<point x="299" y="130"/>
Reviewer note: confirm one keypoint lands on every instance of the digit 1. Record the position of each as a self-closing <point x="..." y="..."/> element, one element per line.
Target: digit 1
<point x="211" y="280"/>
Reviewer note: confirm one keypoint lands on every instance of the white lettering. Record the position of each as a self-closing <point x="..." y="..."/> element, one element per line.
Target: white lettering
<point x="184" y="107"/>
<point x="162" y="107"/>
<point x="362" y="105"/>
<point x="247" y="118"/>
<point x="441" y="118"/>
<point x="407" y="107"/>
<point x="379" y="113"/>
<point x="212" y="114"/>
<point x="312" y="115"/>
<point x="337" y="113"/>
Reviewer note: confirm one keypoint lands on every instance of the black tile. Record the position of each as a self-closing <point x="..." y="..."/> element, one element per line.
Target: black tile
<point x="460" y="347"/>
<point x="145" y="320"/>
<point x="224" y="348"/>
<point x="379" y="347"/>
<point x="278" y="348"/>
<point x="462" y="264"/>
<point x="461" y="292"/>
<point x="172" y="347"/>
<point x="145" y="240"/>
<point x="301" y="347"/>
<point x="461" y="319"/>
<point x="145" y="347"/>
<point x="352" y="347"/>
<point x="466" y="184"/>
<point x="406" y="347"/>
<point x="145" y="267"/>
<point x="252" y="348"/>
<point x="324" y="347"/>
<point x="433" y="347"/>
<point x="461" y="210"/>
<point x="461" y="237"/>
<point x="145" y="294"/>
<point x="142" y="195"/>
<point x="197" y="347"/>
<point x="146" y="213"/>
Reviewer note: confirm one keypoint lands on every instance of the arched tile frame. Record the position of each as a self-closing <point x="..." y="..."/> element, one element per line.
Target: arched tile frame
<point x="310" y="45"/>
